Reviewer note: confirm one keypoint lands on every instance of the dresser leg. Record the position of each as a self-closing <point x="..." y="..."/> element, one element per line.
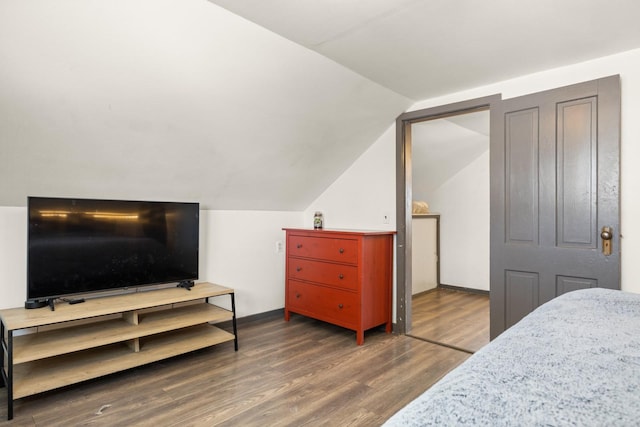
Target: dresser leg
<point x="360" y="337"/>
<point x="286" y="315"/>
<point x="388" y="327"/>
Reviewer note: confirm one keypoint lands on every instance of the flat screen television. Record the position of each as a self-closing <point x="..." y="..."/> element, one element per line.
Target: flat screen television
<point x="82" y="245"/>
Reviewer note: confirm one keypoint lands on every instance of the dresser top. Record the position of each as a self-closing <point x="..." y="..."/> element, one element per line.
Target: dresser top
<point x="341" y="231"/>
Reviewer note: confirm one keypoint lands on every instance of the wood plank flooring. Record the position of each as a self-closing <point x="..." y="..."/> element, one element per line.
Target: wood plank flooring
<point x="302" y="373"/>
<point x="451" y="317"/>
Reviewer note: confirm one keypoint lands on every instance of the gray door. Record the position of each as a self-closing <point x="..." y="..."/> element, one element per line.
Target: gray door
<point x="555" y="159"/>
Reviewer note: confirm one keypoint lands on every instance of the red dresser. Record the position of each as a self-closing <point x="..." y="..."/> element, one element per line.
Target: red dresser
<point x="341" y="277"/>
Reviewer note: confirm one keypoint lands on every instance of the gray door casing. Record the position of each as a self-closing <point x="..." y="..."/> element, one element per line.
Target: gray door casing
<point x="404" y="195"/>
<point x="555" y="182"/>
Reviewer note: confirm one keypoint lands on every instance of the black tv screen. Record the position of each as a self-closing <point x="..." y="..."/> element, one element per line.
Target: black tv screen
<point x="81" y="245"/>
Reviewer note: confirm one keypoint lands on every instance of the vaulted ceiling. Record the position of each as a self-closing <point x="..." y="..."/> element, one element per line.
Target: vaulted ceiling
<point x="261" y="106"/>
<point x="441" y="148"/>
<point x="425" y="48"/>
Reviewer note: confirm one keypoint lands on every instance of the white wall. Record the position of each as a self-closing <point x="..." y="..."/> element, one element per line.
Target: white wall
<point x="240" y="252"/>
<point x="364" y="194"/>
<point x="238" y="249"/>
<point x="367" y="188"/>
<point x="13" y="256"/>
<point x="463" y="204"/>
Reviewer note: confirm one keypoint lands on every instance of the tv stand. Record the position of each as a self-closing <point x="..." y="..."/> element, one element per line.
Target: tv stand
<point x="104" y="335"/>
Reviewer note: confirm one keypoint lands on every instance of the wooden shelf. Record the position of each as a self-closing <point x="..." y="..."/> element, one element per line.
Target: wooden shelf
<point x="81" y="337"/>
<point x="19" y="318"/>
<point x="48" y="374"/>
<point x="101" y="336"/>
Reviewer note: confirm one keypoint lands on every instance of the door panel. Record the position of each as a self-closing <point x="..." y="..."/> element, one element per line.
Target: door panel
<point x="577" y="174"/>
<point x="522" y="290"/>
<point x="554" y="185"/>
<point x="521" y="150"/>
<point x="566" y="284"/>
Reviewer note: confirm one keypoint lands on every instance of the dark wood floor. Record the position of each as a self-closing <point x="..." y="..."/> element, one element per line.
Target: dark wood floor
<point x="302" y="373"/>
<point x="456" y="318"/>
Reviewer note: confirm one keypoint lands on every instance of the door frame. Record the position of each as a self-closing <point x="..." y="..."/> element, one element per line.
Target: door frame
<point x="404" y="193"/>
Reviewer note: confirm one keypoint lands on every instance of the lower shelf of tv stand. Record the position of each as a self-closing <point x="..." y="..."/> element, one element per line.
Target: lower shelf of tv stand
<point x="47" y="374"/>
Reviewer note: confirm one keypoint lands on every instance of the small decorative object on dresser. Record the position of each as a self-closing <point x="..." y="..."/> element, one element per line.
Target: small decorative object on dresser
<point x="340" y="276"/>
<point x="317" y="220"/>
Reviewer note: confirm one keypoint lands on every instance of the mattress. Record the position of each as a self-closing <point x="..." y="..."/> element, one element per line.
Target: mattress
<point x="573" y="361"/>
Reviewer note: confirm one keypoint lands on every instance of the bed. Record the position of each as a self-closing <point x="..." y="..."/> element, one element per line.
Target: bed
<point x="573" y="361"/>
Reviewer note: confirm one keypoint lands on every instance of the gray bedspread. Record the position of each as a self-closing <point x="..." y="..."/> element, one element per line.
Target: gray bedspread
<point x="573" y="361"/>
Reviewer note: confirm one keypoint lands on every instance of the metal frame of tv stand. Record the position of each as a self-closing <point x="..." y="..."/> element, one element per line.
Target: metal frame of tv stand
<point x="6" y="376"/>
<point x="233" y="320"/>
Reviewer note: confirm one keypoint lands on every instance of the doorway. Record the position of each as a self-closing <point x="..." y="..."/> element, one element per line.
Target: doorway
<point x="409" y="128"/>
<point x="450" y="230"/>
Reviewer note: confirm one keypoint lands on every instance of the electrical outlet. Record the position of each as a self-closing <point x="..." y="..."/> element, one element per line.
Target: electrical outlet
<point x="278" y="247"/>
<point x="386" y="218"/>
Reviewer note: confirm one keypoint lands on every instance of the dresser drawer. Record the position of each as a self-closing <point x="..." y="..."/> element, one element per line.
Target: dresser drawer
<point x="340" y="250"/>
<point x="319" y="302"/>
<point x="339" y="275"/>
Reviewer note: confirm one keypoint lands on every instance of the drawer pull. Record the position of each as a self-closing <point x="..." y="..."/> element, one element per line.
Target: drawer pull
<point x="298" y="268"/>
<point x="341" y="276"/>
<point x="341" y="250"/>
<point x="340" y="306"/>
<point x="299" y="245"/>
<point x="297" y="295"/>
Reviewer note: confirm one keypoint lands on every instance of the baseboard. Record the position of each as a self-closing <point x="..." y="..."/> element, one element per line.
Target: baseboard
<point x="463" y="289"/>
<point x="267" y="315"/>
<point x="428" y="291"/>
<point x="270" y="315"/>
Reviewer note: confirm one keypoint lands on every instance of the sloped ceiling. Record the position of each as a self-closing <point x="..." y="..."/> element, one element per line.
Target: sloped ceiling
<point x="426" y="48"/>
<point x="262" y="108"/>
<point x="441" y="148"/>
<point x="174" y="100"/>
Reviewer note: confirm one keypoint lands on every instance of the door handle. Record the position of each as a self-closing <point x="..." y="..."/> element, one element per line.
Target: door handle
<point x="606" y="235"/>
